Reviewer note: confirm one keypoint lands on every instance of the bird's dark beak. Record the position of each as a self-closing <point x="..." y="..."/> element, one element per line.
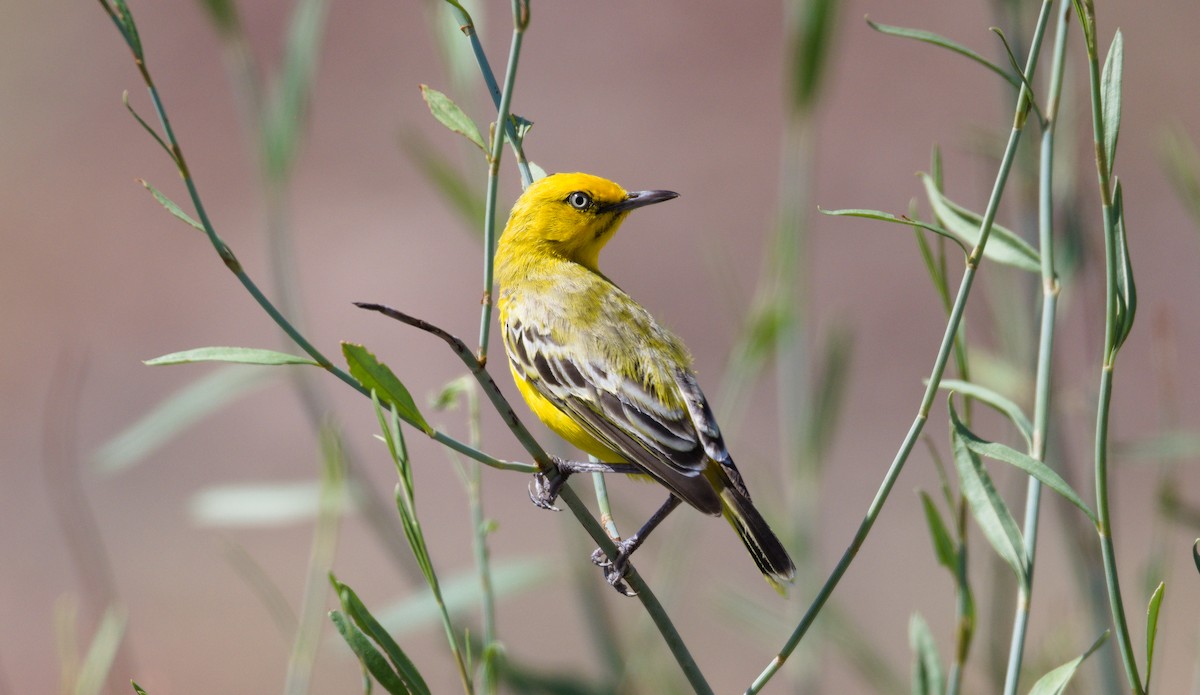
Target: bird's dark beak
<point x="637" y="199"/>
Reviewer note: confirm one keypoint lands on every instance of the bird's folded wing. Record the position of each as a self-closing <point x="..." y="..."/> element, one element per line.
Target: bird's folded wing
<point x="619" y="410"/>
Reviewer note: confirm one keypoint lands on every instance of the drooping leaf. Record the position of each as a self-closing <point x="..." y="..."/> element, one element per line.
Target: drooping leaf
<point x="1055" y="682"/>
<point x="373" y="374"/>
<point x="1003" y="245"/>
<point x="1152" y="629"/>
<point x="937" y="40"/>
<point x="1110" y="97"/>
<point x="990" y="512"/>
<point x="171" y="206"/>
<point x="137" y="688"/>
<point x="927" y="667"/>
<point x="999" y="402"/>
<point x="239" y="355"/>
<point x="1025" y="462"/>
<point x="943" y="546"/>
<point x="178" y="412"/>
<point x="536" y="171"/>
<point x="450" y="115"/>
<point x="888" y="217"/>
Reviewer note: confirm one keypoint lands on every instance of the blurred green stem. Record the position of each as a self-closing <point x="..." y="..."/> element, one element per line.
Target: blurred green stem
<point x="320" y="562"/>
<point x="1023" y="108"/>
<point x="1050" y="287"/>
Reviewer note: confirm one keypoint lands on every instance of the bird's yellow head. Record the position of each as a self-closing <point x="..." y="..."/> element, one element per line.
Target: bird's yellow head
<point x="572" y="216"/>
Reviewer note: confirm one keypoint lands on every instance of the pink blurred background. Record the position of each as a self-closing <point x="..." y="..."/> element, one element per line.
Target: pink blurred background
<point x="666" y="94"/>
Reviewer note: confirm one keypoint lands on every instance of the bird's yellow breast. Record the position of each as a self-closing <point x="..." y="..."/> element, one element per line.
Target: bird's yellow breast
<point x="561" y="424"/>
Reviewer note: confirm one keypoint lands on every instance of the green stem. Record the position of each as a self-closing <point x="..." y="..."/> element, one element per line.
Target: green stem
<point x="1050" y="287"/>
<point x="607" y="520"/>
<point x="935" y="377"/>
<point x="467" y="25"/>
<point x="520" y="21"/>
<point x="1103" y="169"/>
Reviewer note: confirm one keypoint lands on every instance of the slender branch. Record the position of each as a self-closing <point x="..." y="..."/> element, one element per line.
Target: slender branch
<point x="548" y="467"/>
<point x="520" y="21"/>
<point x="1050" y="288"/>
<point x="935" y="378"/>
<point x="467" y="26"/>
<point x="1104" y="173"/>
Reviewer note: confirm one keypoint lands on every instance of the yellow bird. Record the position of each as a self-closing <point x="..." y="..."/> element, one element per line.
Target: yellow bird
<point x="603" y="374"/>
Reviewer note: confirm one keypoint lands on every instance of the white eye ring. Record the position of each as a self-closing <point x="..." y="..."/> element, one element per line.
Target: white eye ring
<point x="579" y="200"/>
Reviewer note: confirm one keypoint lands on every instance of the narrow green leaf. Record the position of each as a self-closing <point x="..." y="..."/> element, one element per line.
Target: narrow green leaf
<point x="1152" y="629"/>
<point x="239" y="355"/>
<point x="170" y="205"/>
<point x="943" y="546"/>
<point x="1055" y="682"/>
<point x="936" y="40"/>
<point x="137" y="688"/>
<point x="93" y="673"/>
<point x="449" y="115"/>
<point x="1110" y="97"/>
<point x="1018" y="72"/>
<point x="1032" y="466"/>
<point x="987" y="396"/>
<point x="888" y="217"/>
<point x="368" y="655"/>
<point x="146" y="126"/>
<point x="1126" y="289"/>
<point x="177" y="413"/>
<point x="927" y="666"/>
<point x="129" y="29"/>
<point x="991" y="513"/>
<point x="373" y="374"/>
<point x="1003" y="247"/>
<point x="357" y="610"/>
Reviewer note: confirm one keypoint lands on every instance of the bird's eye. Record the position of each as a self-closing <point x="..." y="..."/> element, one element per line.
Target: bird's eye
<point x="580" y="200"/>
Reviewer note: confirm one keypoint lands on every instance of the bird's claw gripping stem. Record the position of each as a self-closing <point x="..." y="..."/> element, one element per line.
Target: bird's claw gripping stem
<point x="615" y="569"/>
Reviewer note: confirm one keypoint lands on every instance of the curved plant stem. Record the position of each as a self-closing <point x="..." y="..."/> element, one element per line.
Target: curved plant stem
<point x="1023" y="108"/>
<point x="1041" y="409"/>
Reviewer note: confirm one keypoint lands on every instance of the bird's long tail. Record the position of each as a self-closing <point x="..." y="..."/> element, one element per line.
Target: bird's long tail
<point x="768" y="553"/>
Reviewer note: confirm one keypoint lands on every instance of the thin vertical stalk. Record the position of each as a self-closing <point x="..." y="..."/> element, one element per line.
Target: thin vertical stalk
<point x="1050" y="288"/>
<point x="1024" y="102"/>
<point x="520" y="22"/>
<point x="467" y="26"/>
<point x="1104" y="173"/>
